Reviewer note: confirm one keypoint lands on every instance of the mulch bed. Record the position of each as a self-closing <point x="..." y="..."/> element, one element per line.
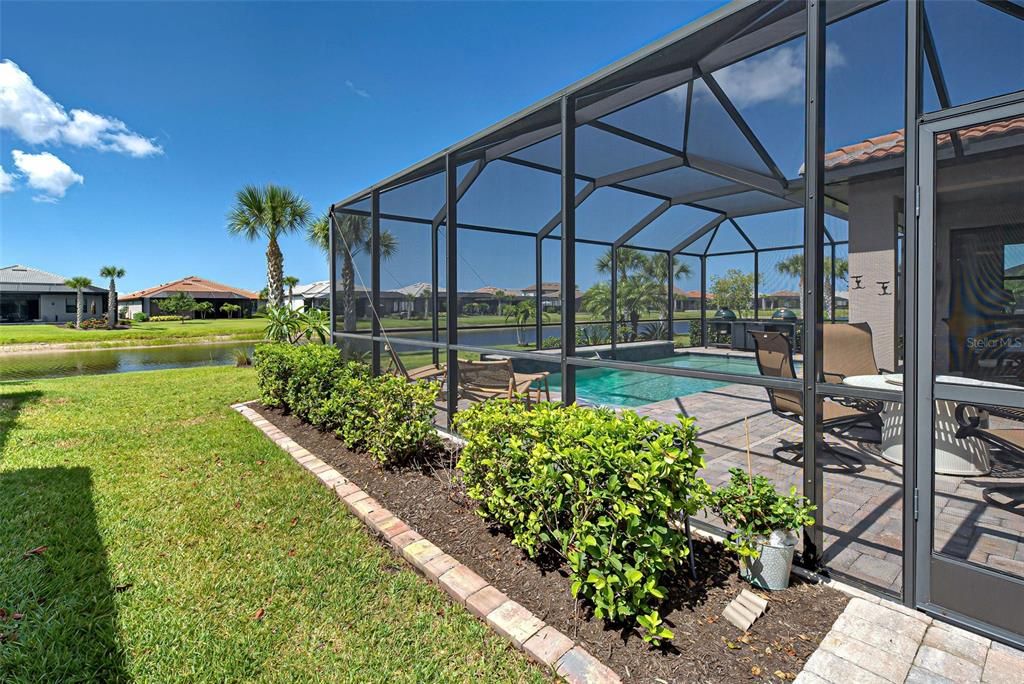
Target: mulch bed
<point x="706" y="648"/>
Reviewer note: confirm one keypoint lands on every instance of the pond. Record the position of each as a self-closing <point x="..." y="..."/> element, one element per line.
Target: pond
<point x="97" y="361"/>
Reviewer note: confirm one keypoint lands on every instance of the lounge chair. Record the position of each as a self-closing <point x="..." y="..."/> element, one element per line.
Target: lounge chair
<point x="481" y="380"/>
<point x="774" y="356"/>
<point x="1010" y="440"/>
<point x="848" y="350"/>
<point x="431" y="372"/>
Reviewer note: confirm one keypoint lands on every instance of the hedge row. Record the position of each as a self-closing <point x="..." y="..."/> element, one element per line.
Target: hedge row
<point x="598" y="489"/>
<point x="387" y="417"/>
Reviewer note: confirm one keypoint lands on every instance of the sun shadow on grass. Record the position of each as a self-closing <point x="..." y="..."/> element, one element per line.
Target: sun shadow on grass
<point x="11" y="404"/>
<point x="60" y="619"/>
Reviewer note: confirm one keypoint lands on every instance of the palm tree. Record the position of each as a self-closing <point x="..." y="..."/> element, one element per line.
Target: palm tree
<point x="112" y="272"/>
<point x="79" y="283"/>
<point x="290" y="282"/>
<point x="793" y="266"/>
<point x="523" y="313"/>
<point x="354" y="233"/>
<point x="270" y="212"/>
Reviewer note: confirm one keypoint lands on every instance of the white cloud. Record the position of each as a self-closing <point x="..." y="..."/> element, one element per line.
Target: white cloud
<point x="358" y="91"/>
<point x="46" y="173"/>
<point x="6" y="181"/>
<point x="34" y="117"/>
<point x="776" y="75"/>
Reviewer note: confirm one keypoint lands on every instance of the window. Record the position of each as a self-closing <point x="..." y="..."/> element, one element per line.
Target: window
<point x="70" y="305"/>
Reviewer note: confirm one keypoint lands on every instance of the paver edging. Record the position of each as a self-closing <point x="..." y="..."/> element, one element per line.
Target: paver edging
<point x="527" y="632"/>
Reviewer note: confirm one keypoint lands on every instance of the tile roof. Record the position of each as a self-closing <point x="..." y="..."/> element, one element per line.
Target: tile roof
<point x="893" y="144"/>
<point x="195" y="286"/>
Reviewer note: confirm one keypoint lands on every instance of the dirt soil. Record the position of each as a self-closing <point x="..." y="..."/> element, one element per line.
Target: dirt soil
<point x="706" y="648"/>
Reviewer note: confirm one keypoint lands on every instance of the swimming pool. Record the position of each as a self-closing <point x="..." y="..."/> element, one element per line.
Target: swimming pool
<point x="612" y="387"/>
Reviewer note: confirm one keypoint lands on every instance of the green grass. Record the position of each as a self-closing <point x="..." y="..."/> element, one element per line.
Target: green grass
<point x="169" y="522"/>
<point x="149" y="333"/>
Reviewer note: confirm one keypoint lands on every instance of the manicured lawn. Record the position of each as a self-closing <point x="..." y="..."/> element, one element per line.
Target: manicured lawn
<point x="150" y="533"/>
<point x="140" y="333"/>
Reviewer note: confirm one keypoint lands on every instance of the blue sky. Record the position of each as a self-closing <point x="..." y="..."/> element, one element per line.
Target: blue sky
<point x="239" y="93"/>
<point x="182" y="103"/>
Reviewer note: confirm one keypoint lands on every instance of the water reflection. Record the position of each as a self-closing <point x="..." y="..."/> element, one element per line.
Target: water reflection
<point x="101" y="361"/>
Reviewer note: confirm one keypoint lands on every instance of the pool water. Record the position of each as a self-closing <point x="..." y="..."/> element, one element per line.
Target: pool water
<point x="612" y="387"/>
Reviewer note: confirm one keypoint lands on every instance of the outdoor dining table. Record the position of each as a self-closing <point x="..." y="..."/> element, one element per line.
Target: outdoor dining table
<point x="964" y="457"/>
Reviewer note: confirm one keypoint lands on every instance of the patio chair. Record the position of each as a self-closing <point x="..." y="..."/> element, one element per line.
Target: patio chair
<point x="1009" y="440"/>
<point x="774" y="356"/>
<point x="482" y="380"/>
<point x="431" y="372"/>
<point x="848" y="350"/>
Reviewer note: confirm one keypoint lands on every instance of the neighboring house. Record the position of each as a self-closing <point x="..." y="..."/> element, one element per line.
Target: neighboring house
<point x="315" y="295"/>
<point x="30" y="295"/>
<point x="551" y="295"/>
<point x="688" y="300"/>
<point x="782" y="299"/>
<point x="148" y="301"/>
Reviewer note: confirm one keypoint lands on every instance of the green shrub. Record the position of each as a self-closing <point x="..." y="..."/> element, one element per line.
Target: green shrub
<point x="599" y="489"/>
<point x="140" y="317"/>
<point x="273" y="364"/>
<point x="387" y="417"/>
<point x="402" y="415"/>
<point x="753" y="508"/>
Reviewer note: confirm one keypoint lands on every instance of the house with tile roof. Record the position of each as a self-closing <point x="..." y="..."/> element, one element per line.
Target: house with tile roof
<point x="148" y="300"/>
<point x="31" y="295"/>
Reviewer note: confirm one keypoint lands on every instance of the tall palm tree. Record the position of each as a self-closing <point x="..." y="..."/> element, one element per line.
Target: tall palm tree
<point x="79" y="283"/>
<point x="290" y="282"/>
<point x="354" y="234"/>
<point x="270" y="212"/>
<point x="793" y="266"/>
<point x="112" y="272"/>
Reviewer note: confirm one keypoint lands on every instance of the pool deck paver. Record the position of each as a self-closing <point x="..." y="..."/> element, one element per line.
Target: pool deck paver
<point x="875" y="640"/>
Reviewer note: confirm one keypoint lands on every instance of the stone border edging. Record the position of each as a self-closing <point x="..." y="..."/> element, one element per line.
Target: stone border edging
<point x="527" y="632"/>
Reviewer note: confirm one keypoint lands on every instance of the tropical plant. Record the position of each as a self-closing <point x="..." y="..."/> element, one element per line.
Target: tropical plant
<point x="284" y="324"/>
<point x="204" y="308"/>
<point x="592" y="336"/>
<point x="290" y="282"/>
<point x="78" y="284"/>
<point x="113" y="273"/>
<point x="316" y="323"/>
<point x="523" y="313"/>
<point x="230" y="309"/>
<point x="354" y="235"/>
<point x="641" y="286"/>
<point x="752" y="507"/>
<point x="242" y="358"/>
<point x="179" y="304"/>
<point x="269" y="212"/>
<point x="658" y="330"/>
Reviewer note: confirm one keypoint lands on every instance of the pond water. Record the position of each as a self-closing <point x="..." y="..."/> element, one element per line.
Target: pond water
<point x="97" y="361"/>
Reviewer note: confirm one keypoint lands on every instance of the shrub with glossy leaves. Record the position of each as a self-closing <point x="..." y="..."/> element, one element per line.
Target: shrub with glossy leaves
<point x="387" y="417"/>
<point x="599" y="489"/>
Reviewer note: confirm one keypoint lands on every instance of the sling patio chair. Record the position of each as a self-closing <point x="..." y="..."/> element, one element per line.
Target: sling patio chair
<point x="482" y="380"/>
<point x="848" y="350"/>
<point x="1008" y="438"/>
<point x="774" y="355"/>
<point x="431" y="372"/>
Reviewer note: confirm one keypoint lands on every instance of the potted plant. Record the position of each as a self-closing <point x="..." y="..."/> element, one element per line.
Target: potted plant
<point x="766" y="526"/>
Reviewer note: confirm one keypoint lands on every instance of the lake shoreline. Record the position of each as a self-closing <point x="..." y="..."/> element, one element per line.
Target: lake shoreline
<point x="29" y="348"/>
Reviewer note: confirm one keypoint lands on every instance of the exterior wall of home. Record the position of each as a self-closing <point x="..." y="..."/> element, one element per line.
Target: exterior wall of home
<point x="872" y="255"/>
<point x="52" y="307"/>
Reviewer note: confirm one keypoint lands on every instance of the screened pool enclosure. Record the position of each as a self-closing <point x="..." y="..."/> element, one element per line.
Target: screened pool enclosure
<point x="800" y="223"/>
